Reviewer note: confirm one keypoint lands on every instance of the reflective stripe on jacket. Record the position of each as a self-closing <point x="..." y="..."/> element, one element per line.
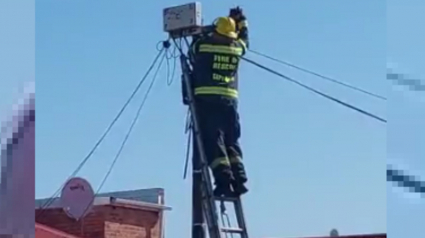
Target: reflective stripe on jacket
<point x="216" y="63"/>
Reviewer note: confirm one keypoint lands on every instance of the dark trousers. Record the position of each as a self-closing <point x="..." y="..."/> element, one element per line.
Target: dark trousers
<point x="220" y="130"/>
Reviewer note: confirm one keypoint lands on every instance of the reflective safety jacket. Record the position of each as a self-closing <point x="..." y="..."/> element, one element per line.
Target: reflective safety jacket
<point x="215" y="62"/>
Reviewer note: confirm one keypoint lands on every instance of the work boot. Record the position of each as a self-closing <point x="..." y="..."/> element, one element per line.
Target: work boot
<point x="240" y="179"/>
<point x="223" y="182"/>
<point x="223" y="190"/>
<point x="239" y="188"/>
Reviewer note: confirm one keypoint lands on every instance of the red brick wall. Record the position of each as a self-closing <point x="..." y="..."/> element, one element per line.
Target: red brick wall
<point x="131" y="223"/>
<point x="106" y="222"/>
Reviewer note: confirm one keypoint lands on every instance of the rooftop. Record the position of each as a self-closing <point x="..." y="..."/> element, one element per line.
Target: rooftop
<point x="152" y="198"/>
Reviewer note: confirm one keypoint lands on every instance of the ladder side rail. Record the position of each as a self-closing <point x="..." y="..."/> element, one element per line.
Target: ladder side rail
<point x="208" y="199"/>
<point x="240" y="216"/>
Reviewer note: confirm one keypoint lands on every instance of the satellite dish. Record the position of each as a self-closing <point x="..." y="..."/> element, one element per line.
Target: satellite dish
<point x="334" y="233"/>
<point x="77" y="198"/>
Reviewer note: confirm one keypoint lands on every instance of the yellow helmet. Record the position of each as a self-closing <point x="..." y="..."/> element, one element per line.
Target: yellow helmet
<point x="226" y="26"/>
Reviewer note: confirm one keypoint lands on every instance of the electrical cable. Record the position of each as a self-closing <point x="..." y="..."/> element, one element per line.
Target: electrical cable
<point x="319" y="75"/>
<point x="132" y="124"/>
<point x="188" y="130"/>
<point x="394" y="176"/>
<point x="127" y="136"/>
<point x="402" y="180"/>
<point x="84" y="161"/>
<point x="316" y="91"/>
<point x="171" y="55"/>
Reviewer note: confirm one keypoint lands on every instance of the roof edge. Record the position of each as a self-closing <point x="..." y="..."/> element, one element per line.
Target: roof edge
<point x="112" y="201"/>
<point x="135" y="204"/>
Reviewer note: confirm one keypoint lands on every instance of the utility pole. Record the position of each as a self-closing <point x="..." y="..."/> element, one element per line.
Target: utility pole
<point x="185" y="21"/>
<point x="198" y="222"/>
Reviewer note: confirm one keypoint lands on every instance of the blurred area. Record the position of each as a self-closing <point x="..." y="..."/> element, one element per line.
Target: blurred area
<point x="406" y="116"/>
<point x="17" y="118"/>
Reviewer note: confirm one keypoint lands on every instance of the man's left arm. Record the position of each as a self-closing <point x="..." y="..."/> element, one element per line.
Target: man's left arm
<point x="242" y="25"/>
<point x="193" y="49"/>
<point x="192" y="54"/>
<point x="243" y="32"/>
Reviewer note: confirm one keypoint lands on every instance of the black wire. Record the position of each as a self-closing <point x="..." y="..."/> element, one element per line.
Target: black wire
<point x="133" y="123"/>
<point x="179" y="46"/>
<point x="402" y="180"/>
<point x="117" y="156"/>
<point x="168" y="67"/>
<point x="396" y="176"/>
<point x="319" y="75"/>
<point x="160" y="45"/>
<point x="188" y="130"/>
<point x="170" y="55"/>
<point x="186" y="164"/>
<point x="170" y="77"/>
<point x="316" y="91"/>
<point x="169" y="82"/>
<point x="53" y="197"/>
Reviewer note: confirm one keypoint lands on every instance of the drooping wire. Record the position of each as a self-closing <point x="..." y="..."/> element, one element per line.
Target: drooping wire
<point x="398" y="177"/>
<point x="179" y="45"/>
<point x="132" y="124"/>
<point x="188" y="130"/>
<point x="173" y="55"/>
<point x="84" y="161"/>
<point x="127" y="136"/>
<point x="170" y="55"/>
<point x="319" y="75"/>
<point x="402" y="180"/>
<point x="316" y="91"/>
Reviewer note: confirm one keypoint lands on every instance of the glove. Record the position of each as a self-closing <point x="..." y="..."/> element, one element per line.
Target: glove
<point x="239" y="17"/>
<point x="237" y="14"/>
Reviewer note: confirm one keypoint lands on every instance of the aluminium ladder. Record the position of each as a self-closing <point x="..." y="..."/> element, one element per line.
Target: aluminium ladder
<point x="208" y="199"/>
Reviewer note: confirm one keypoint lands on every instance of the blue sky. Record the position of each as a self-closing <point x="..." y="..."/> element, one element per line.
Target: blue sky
<point x="313" y="165"/>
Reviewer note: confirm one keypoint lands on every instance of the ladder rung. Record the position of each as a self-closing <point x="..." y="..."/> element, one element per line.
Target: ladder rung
<point x="226" y="199"/>
<point x="232" y="230"/>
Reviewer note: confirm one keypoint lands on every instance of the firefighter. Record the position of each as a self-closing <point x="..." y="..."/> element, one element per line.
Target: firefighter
<point x="215" y="59"/>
